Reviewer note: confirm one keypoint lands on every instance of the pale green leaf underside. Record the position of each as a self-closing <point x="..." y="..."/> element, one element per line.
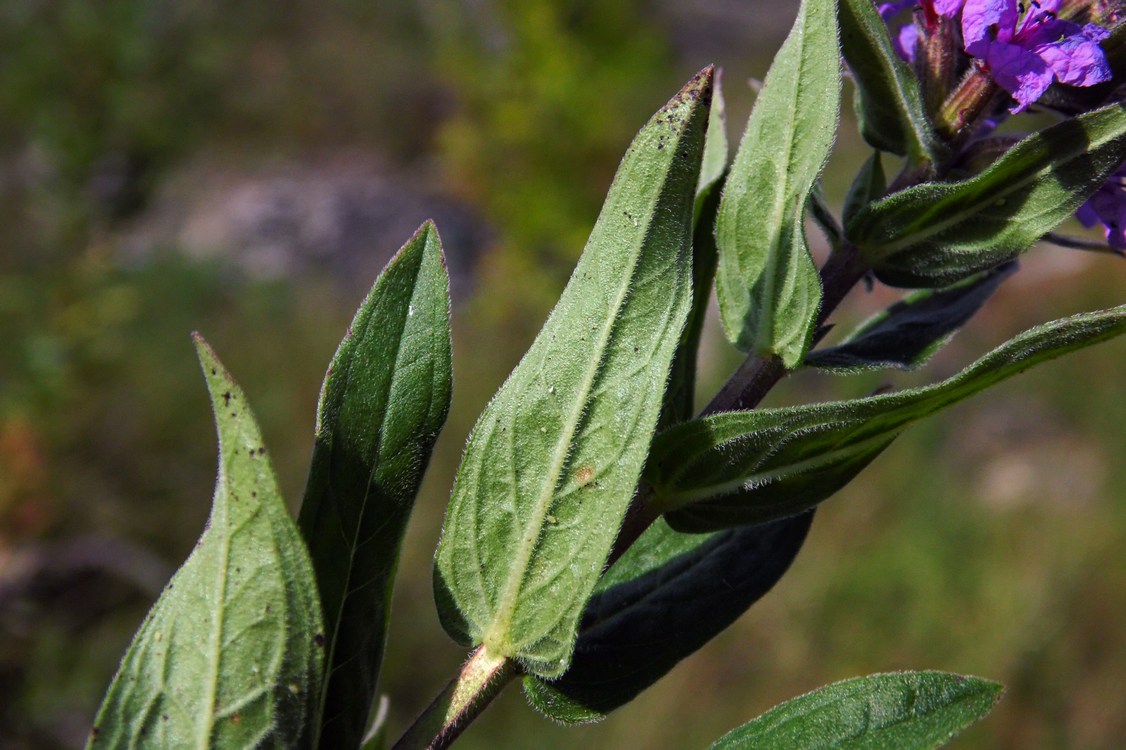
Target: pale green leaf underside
<point x="812" y="450"/>
<point x="383" y="402"/>
<point x="902" y="710"/>
<point x="938" y="233"/>
<point x="768" y="288"/>
<point x="554" y="459"/>
<point x="230" y="654"/>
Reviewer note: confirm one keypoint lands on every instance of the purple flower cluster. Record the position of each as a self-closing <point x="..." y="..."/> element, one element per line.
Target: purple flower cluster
<point x="1025" y="50"/>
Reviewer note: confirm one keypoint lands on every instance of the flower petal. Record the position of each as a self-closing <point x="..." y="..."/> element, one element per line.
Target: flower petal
<point x="986" y="21"/>
<point x="1078" y="59"/>
<point x="1019" y="71"/>
<point x="906" y="41"/>
<point x="948" y="8"/>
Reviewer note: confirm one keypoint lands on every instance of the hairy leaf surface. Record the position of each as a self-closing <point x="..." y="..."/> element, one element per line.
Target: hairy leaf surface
<point x="553" y="461"/>
<point x="902" y="710"/>
<point x="382" y="405"/>
<point x="231" y="654"/>
<point x="748" y="467"/>
<point x="889" y="102"/>
<point x="768" y="288"/>
<point x="680" y="393"/>
<point x="939" y="233"/>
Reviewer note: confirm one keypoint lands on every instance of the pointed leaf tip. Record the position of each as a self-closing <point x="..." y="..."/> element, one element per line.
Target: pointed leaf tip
<point x="187" y="675"/>
<point x="535" y="522"/>
<point x="383" y="403"/>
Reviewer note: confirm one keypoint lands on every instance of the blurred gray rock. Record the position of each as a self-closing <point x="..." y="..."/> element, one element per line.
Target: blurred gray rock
<point x="342" y="216"/>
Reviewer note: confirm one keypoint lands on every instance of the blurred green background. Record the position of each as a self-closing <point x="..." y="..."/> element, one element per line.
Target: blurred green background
<point x="246" y="169"/>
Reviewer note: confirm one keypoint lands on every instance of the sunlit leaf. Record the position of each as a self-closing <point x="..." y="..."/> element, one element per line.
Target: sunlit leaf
<point x="901" y="710"/>
<point x="231" y="655"/>
<point x="768" y="288"/>
<point x="748" y="467"/>
<point x="382" y="405"/>
<point x="679" y="395"/>
<point x="889" y="103"/>
<point x="553" y="461"/>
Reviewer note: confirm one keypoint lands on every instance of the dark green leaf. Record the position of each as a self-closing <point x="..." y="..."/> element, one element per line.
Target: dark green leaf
<point x="382" y="405"/>
<point x="747" y="467"/>
<point x="869" y="185"/>
<point x="939" y="233"/>
<point x="551" y="466"/>
<point x="822" y="215"/>
<point x="909" y="332"/>
<point x="901" y="710"/>
<point x="665" y="598"/>
<point x="768" y="288"/>
<point x="230" y="655"/>
<point x="889" y="102"/>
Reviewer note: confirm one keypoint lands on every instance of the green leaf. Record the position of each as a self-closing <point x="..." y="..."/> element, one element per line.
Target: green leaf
<point x="909" y="332"/>
<point x="553" y="461"/>
<point x="680" y="392"/>
<point x="382" y="405"/>
<point x="901" y="710"/>
<point x="939" y="233"/>
<point x="749" y="467"/>
<point x="231" y="654"/>
<point x="768" y="287"/>
<point x="870" y="184"/>
<point x="889" y="102"/>
<point x="667" y="596"/>
<point x="713" y="164"/>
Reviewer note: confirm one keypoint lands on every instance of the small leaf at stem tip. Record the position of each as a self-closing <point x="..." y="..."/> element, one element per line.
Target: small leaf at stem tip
<point x="230" y="655"/>
<point x="901" y="710"/>
<point x="939" y="233"/>
<point x="768" y="289"/>
<point x="383" y="403"/>
<point x="554" y="459"/>
<point x="889" y="102"/>
<point x="740" y="468"/>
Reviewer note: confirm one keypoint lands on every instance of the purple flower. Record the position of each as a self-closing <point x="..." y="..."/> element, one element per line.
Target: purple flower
<point x="1026" y="55"/>
<point x="907" y="37"/>
<point x="904" y="40"/>
<point x="1108" y="207"/>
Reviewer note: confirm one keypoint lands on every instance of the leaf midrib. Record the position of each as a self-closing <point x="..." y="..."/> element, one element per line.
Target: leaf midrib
<point x="498" y="632"/>
<point x="353" y="544"/>
<point x="203" y="738"/>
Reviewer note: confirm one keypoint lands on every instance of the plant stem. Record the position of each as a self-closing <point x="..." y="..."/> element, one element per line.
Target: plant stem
<point x="484" y="675"/>
<point x="462" y="701"/>
<point x="750" y="383"/>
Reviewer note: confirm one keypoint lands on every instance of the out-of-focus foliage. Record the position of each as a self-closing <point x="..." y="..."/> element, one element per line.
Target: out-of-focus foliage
<point x="546" y="94"/>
